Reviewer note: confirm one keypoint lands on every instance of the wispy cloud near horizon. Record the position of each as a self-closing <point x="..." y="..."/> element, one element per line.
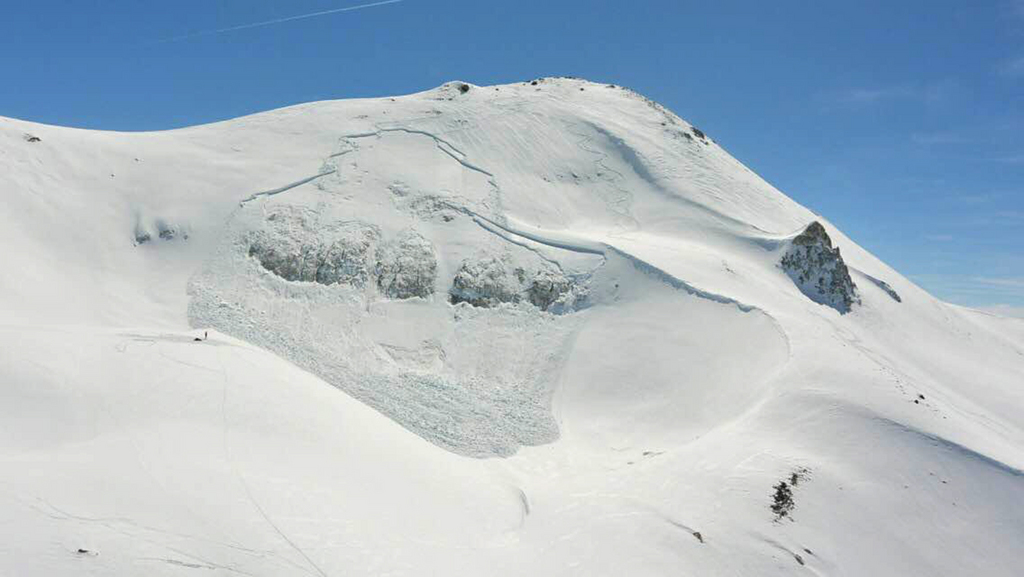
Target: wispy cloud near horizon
<point x="873" y="95"/>
<point x="276" y="21"/>
<point x="863" y="96"/>
<point x="1010" y="282"/>
<point x="1010" y="159"/>
<point x="934" y="138"/>
<point x="1013" y="68"/>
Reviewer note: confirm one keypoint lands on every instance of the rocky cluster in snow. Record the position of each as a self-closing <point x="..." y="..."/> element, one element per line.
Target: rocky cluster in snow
<point x="818" y="269"/>
<point x="490" y="281"/>
<point x="295" y="247"/>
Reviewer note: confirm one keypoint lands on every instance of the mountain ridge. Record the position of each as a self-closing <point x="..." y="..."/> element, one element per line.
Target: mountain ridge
<point x="381" y="390"/>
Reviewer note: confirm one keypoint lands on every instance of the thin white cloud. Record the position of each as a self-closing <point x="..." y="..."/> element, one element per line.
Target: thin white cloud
<point x="973" y="290"/>
<point x="278" y="20"/>
<point x="1011" y="159"/>
<point x="980" y="198"/>
<point x="1008" y="282"/>
<point x="933" y="138"/>
<point x="873" y="95"/>
<point x="938" y="237"/>
<point x="1010" y="216"/>
<point x="930" y="93"/>
<point x="1013" y="68"/>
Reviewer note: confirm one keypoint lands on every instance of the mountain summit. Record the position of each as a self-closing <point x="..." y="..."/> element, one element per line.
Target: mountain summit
<point x="540" y="328"/>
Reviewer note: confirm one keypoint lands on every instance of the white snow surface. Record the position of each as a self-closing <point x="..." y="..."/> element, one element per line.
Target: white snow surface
<point x="344" y="418"/>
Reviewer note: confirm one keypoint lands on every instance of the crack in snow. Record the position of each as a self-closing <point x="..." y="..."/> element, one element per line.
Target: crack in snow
<point x="286" y="187"/>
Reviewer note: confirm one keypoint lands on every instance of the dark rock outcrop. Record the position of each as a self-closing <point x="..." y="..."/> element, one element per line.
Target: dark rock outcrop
<point x="818" y="269"/>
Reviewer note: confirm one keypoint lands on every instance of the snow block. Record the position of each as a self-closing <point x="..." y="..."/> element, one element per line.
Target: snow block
<point x="491" y="281"/>
<point x="296" y="248"/>
<point x="407" y="266"/>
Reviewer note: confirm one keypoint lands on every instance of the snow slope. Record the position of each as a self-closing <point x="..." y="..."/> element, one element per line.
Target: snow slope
<point x="525" y="329"/>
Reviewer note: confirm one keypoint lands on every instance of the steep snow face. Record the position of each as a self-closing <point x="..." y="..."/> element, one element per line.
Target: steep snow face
<point x="542" y="328"/>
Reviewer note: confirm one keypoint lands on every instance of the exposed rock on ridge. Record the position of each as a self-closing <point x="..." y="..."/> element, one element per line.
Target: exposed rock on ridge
<point x="818" y="269"/>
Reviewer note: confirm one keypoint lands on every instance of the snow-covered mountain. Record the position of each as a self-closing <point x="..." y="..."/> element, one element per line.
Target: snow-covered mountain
<point x="547" y="328"/>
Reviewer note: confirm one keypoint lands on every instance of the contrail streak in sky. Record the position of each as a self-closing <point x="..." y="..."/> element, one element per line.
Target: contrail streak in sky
<point x="278" y="20"/>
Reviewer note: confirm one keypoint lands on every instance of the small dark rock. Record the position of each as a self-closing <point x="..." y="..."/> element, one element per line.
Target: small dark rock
<point x="463" y="88"/>
<point x="886" y="288"/>
<point x="32" y="138"/>
<point x="782" y="500"/>
<point x="698" y="536"/>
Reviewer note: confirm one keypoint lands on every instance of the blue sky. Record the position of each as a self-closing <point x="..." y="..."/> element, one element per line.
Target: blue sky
<point x="900" y="122"/>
